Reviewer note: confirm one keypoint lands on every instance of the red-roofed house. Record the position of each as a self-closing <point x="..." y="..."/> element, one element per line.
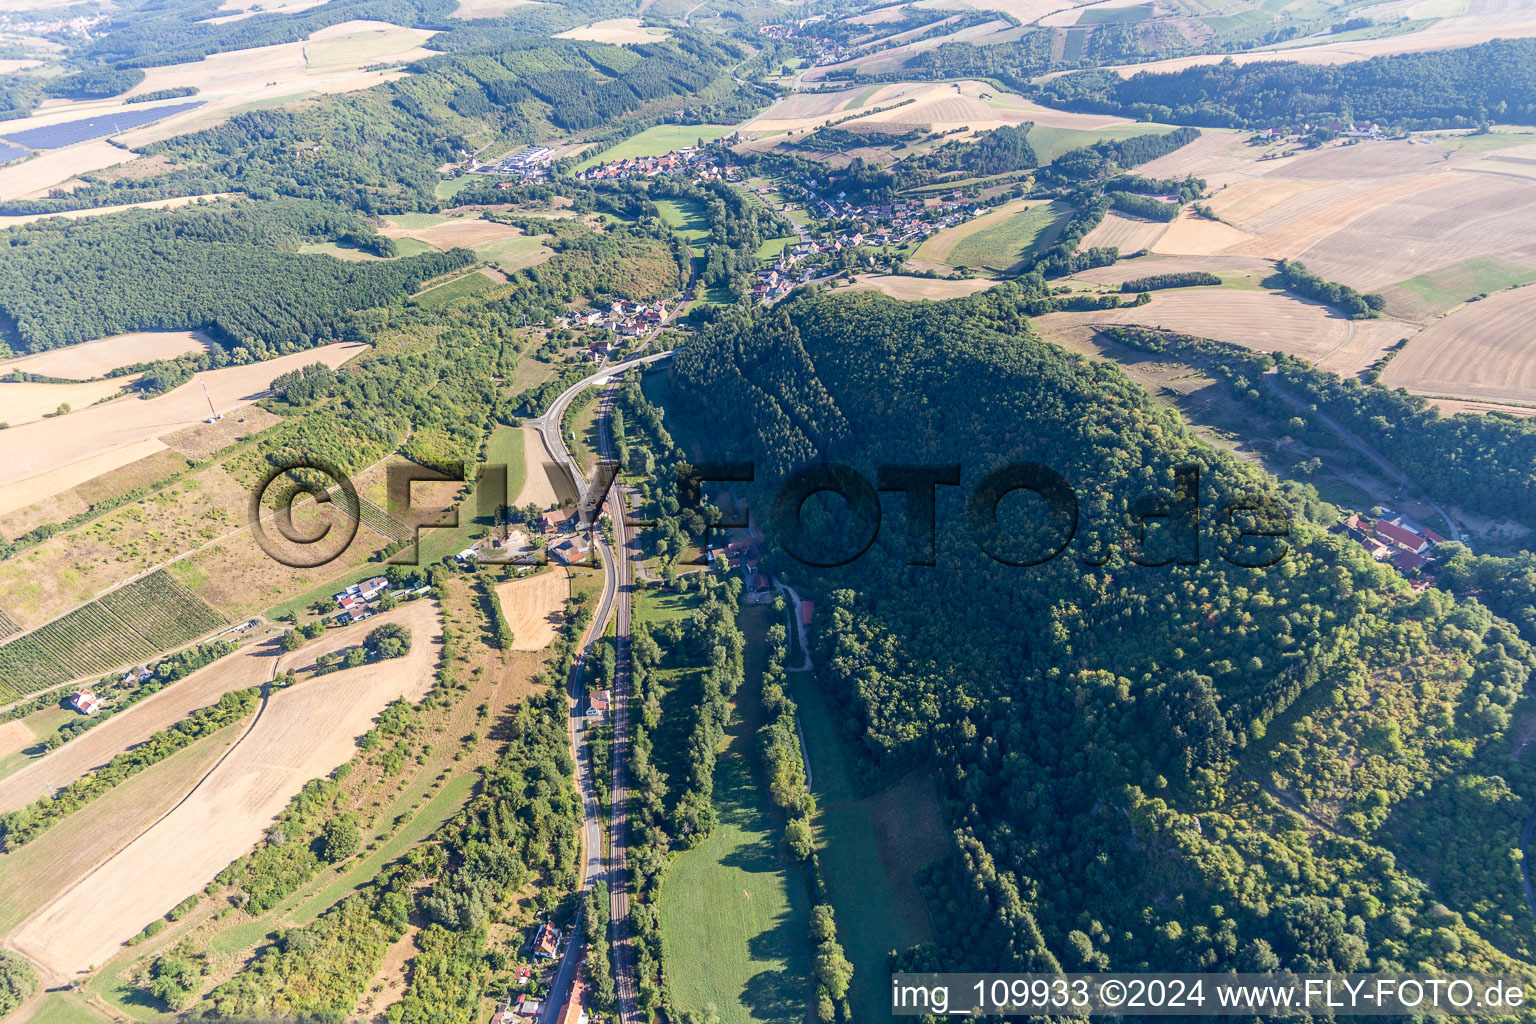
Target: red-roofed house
<point x="1433" y="537"/>
<point x="1399" y="537"/>
<point x="86" y="702"/>
<point x="1407" y="561"/>
<point x="547" y="942"/>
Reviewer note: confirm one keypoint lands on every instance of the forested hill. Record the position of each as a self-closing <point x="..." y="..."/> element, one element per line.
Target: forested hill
<point x="229" y="268"/>
<point x="1115" y="741"/>
<point x="1490" y="83"/>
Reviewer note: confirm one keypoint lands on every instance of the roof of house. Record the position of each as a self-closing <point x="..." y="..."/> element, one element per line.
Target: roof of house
<point x="1407" y="560"/>
<point x="1397" y="535"/>
<point x="807" y="609"/>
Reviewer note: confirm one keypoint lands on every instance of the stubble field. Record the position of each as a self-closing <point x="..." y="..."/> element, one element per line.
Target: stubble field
<point x="303" y="732"/>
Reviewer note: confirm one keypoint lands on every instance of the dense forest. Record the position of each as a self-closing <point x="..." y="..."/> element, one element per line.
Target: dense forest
<point x="1060" y="700"/>
<point x="230" y="269"/>
<point x="1492" y="82"/>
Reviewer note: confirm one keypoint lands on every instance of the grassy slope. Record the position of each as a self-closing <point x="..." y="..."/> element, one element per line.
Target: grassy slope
<point x="1003" y="244"/>
<point x="734" y="913"/>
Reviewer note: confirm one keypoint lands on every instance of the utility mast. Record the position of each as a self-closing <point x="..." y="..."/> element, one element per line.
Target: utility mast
<point x="213" y="414"/>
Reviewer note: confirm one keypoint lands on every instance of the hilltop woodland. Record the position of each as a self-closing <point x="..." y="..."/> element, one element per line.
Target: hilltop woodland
<point x="1492" y="82"/>
<point x="1189" y="699"/>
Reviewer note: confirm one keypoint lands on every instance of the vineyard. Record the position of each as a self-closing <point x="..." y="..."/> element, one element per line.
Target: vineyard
<point x="133" y="623"/>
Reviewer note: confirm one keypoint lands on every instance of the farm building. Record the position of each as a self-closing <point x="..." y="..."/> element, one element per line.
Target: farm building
<point x="571" y="551"/>
<point x="558" y="520"/>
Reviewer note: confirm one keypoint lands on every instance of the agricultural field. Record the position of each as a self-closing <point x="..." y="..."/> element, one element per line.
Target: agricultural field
<point x="900" y="286"/>
<point x="535" y="607"/>
<point x="136" y="621"/>
<point x="304" y="731"/>
<point x="1481" y="351"/>
<point x="657" y="141"/>
<point x="94" y="359"/>
<point x="870" y="850"/>
<point x="616" y="30"/>
<point x="734" y="910"/>
<point x="938" y="106"/>
<point x="1257" y="318"/>
<point x="29" y="401"/>
<point x="41" y="870"/>
<point x="250" y="666"/>
<point x="117" y="435"/>
<point x="997" y="239"/>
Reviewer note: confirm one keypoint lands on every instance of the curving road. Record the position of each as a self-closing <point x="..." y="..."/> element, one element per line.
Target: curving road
<point x="611" y="866"/>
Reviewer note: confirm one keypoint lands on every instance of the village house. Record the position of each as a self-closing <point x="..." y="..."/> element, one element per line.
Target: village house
<point x="598" y="703"/>
<point x="86" y="702"/>
<point x="571" y="551"/>
<point x="546" y="941"/>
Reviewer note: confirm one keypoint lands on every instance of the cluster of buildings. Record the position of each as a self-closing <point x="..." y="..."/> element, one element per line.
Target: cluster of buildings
<point x="827" y="51"/>
<point x="624" y="319"/>
<point x="358" y="601"/>
<point x="564" y="541"/>
<point x="528" y="1008"/>
<point x="1349" y="130"/>
<point x="527" y="166"/>
<point x="700" y="165"/>
<point x="897" y="221"/>
<point x="1398" y="541"/>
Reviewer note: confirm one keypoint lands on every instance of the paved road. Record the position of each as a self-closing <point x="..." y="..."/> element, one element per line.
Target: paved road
<point x="612" y="867"/>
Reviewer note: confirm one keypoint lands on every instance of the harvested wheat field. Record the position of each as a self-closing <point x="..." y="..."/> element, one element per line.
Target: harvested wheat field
<point x="33" y="489"/>
<point x="34" y="177"/>
<point x="40" y="871"/>
<point x="1480" y="218"/>
<point x="468" y="232"/>
<point x="1480" y="21"/>
<point x="14" y="737"/>
<point x="616" y="30"/>
<point x="1026" y="11"/>
<point x="1294" y="237"/>
<point x="1128" y="234"/>
<point x="1234" y="269"/>
<point x="1484" y="350"/>
<point x="1262" y="320"/>
<point x="535" y="607"/>
<point x="249" y="666"/>
<point x="303" y="732"/>
<point x="24" y="403"/>
<point x="899" y="286"/>
<point x="94" y="359"/>
<point x="1193" y="235"/>
<point x="472" y="9"/>
<point x="543" y="482"/>
<point x="331" y="60"/>
<point x="50" y="444"/>
<point x="1243" y="200"/>
<point x="149" y="204"/>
